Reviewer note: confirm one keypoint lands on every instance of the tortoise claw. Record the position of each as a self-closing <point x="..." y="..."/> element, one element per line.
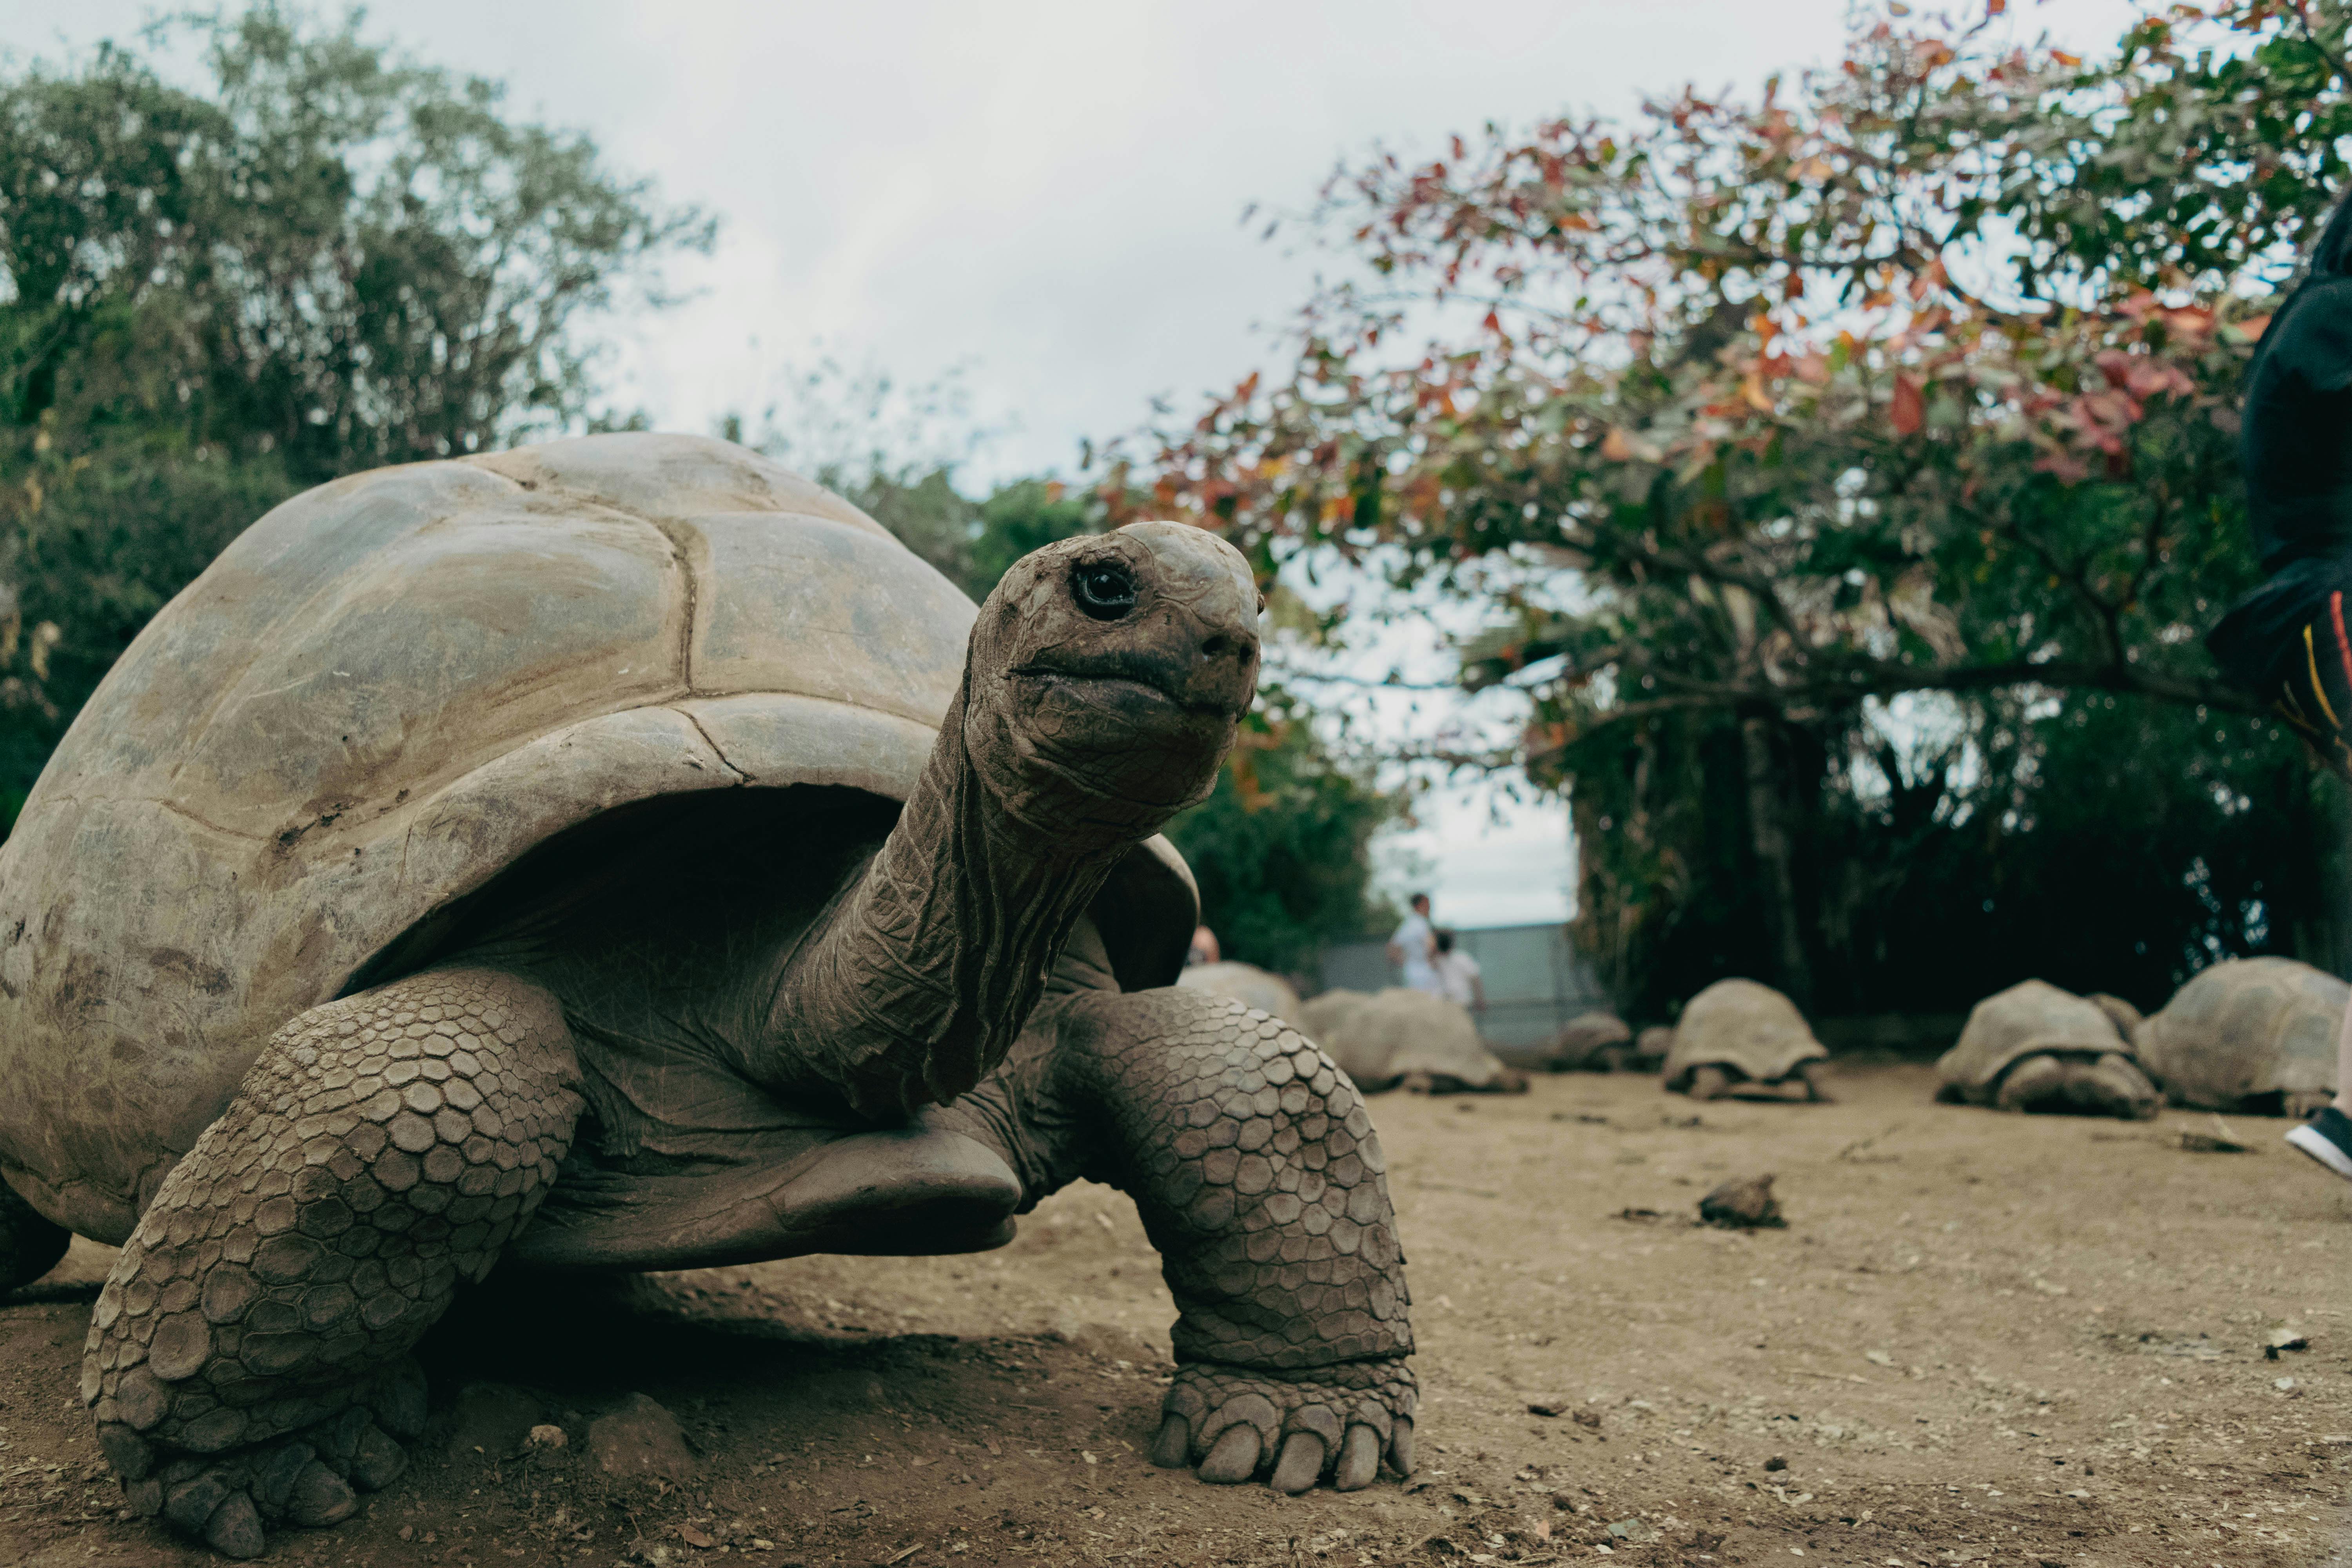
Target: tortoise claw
<point x="1301" y="1464"/>
<point x="1234" y="1459"/>
<point x="1172" y="1449"/>
<point x="1359" y="1460"/>
<point x="235" y="1528"/>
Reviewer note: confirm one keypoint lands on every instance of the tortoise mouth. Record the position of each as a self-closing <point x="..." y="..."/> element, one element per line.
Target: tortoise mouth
<point x="1124" y="681"/>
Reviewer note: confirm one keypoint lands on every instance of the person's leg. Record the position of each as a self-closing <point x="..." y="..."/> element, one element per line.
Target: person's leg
<point x="2344" y="1065"/>
<point x="2312" y="682"/>
<point x="2327" y="1136"/>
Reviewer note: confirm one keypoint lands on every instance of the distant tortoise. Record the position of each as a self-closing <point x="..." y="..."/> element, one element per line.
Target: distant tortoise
<point x="2125" y="1018"/>
<point x="1248" y="985"/>
<point x="1591" y="1042"/>
<point x="1737" y="1031"/>
<point x="622" y="854"/>
<point x="1401" y="1038"/>
<point x="2256" y="1035"/>
<point x="1651" y="1047"/>
<point x="2036" y="1047"/>
<point x="1327" y="1016"/>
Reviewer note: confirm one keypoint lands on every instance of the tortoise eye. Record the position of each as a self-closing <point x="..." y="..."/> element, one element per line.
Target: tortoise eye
<point x="1105" y="590"/>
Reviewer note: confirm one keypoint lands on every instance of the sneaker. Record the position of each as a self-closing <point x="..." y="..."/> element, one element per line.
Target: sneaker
<point x="2326" y="1138"/>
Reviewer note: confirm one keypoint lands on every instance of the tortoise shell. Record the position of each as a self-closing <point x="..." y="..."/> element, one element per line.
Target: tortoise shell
<point x="2031" y="1017"/>
<point x="387" y="691"/>
<point x="1386" y="1036"/>
<point x="1585" y="1037"/>
<point x="1744" y="1025"/>
<point x="2246" y="1026"/>
<point x="1247" y="984"/>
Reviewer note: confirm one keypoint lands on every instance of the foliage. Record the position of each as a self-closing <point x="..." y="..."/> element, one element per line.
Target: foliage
<point x="1282" y="849"/>
<point x="1916" y="376"/>
<point x="325" y="259"/>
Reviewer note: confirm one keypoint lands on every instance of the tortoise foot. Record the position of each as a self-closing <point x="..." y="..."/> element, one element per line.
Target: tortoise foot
<point x="252" y="1342"/>
<point x="2111" y="1086"/>
<point x="1708" y="1082"/>
<point x="1324" y="1423"/>
<point x="309" y="1478"/>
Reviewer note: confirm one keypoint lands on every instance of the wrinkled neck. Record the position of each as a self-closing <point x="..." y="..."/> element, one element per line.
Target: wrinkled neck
<point x="916" y="981"/>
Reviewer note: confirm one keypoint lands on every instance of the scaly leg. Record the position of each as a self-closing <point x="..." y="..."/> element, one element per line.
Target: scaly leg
<point x="248" y="1355"/>
<point x="1708" y="1082"/>
<point x="1259" y="1178"/>
<point x="2031" y="1081"/>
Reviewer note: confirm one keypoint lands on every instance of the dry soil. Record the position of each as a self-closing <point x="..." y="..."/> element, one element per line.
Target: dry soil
<point x="1980" y="1337"/>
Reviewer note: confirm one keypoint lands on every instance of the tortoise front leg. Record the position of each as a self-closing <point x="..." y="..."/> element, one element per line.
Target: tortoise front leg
<point x="248" y="1360"/>
<point x="1259" y="1178"/>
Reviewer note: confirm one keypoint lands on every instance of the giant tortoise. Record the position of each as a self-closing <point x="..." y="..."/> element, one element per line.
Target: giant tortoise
<point x="1591" y="1042"/>
<point x="1737" y="1031"/>
<point x="1248" y="985"/>
<point x="622" y="854"/>
<point x="2251" y="1033"/>
<point x="2036" y="1047"/>
<point x="1400" y="1037"/>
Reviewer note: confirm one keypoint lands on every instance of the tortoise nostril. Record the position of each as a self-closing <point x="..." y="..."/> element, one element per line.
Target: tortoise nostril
<point x="1225" y="645"/>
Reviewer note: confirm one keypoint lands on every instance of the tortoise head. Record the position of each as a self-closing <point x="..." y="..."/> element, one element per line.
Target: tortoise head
<point x="1104" y="677"/>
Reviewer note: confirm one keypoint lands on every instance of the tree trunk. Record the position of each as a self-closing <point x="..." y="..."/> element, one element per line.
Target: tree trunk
<point x="1769" y="836"/>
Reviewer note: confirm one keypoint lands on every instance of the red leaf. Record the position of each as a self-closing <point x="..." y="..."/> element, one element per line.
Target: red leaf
<point x="1910" y="408"/>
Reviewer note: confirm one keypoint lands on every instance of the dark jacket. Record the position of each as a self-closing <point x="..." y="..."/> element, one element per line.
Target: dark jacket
<point x="2295" y="447"/>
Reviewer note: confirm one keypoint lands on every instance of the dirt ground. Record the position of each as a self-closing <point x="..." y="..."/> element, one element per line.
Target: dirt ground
<point x="1980" y="1338"/>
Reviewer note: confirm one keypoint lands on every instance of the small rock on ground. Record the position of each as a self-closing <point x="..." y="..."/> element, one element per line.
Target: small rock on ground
<point x="1744" y="1202"/>
<point x="641" y="1439"/>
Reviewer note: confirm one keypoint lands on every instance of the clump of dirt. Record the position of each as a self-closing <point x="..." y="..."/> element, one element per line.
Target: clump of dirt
<point x="1981" y="1337"/>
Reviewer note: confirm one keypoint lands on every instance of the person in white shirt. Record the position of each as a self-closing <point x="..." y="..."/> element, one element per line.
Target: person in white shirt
<point x="1414" y="949"/>
<point x="1458" y="974"/>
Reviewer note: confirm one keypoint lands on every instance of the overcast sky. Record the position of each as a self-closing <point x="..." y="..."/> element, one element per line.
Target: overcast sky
<point x="1048" y="193"/>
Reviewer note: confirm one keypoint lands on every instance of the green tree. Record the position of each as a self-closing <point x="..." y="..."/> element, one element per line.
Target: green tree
<point x="1914" y="378"/>
<point x="324" y="258"/>
<point x="1282" y="849"/>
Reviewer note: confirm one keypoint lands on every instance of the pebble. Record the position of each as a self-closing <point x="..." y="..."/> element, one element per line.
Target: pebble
<point x="1743" y="1203"/>
<point x="546" y="1437"/>
<point x="641" y="1439"/>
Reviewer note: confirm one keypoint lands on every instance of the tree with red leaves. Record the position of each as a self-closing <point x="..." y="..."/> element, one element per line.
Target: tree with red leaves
<point x="1914" y="376"/>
